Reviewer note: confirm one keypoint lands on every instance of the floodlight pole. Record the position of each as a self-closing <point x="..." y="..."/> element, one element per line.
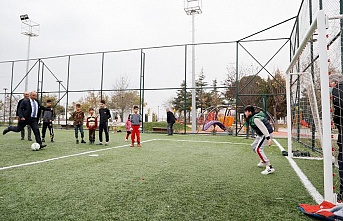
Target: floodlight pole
<point x="193" y="7"/>
<point x="194" y="110"/>
<point x="27" y="64"/>
<point x="30" y="29"/>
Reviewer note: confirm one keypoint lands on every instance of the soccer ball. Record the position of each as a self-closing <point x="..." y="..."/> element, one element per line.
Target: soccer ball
<point x="35" y="146"/>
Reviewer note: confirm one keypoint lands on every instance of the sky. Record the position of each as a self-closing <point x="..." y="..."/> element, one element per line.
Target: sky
<point x="75" y="26"/>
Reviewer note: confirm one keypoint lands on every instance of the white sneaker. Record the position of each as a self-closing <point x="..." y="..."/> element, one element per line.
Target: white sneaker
<point x="268" y="170"/>
<point x="125" y="140"/>
<point x="261" y="164"/>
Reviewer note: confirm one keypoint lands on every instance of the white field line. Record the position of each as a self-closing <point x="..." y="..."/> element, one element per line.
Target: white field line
<point x="205" y="141"/>
<point x="303" y="178"/>
<point x="109" y="148"/>
<point x="67" y="156"/>
<point x="308" y="185"/>
<point x="309" y="158"/>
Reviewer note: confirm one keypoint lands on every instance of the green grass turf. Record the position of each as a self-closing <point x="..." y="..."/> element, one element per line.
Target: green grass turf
<point x="194" y="179"/>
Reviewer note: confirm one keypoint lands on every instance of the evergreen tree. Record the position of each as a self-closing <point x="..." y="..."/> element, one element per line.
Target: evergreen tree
<point x="201" y="95"/>
<point x="181" y="100"/>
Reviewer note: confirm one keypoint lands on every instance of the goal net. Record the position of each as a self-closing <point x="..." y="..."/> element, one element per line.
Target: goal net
<point x="310" y="110"/>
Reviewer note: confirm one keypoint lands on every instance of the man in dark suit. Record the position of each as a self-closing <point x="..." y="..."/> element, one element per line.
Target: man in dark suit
<point x="171" y="121"/>
<point x="29" y="113"/>
<point x="22" y="132"/>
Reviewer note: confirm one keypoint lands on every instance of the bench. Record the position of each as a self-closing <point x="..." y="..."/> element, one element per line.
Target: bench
<point x="159" y="129"/>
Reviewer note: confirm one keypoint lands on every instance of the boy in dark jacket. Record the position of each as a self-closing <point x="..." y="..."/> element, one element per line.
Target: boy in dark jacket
<point x="105" y="114"/>
<point x="48" y="118"/>
<point x="264" y="130"/>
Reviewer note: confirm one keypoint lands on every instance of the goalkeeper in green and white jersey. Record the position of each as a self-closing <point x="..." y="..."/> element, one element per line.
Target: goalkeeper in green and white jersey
<point x="264" y="130"/>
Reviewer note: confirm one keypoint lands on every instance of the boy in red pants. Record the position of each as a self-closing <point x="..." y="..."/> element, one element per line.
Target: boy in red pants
<point x="136" y="121"/>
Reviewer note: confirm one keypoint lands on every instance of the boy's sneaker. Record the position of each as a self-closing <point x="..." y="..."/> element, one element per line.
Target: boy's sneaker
<point x="132" y="145"/>
<point x="139" y="145"/>
<point x="106" y="144"/>
<point x="268" y="170"/>
<point x="43" y="140"/>
<point x="125" y="140"/>
<point x="77" y="141"/>
<point x="261" y="164"/>
<point x="82" y="141"/>
<point x="52" y="141"/>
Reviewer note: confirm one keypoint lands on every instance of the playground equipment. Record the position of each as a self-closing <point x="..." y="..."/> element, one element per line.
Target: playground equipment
<point x="223" y="116"/>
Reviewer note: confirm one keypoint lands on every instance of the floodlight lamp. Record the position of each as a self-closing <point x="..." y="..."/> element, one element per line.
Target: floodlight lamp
<point x="24" y="17"/>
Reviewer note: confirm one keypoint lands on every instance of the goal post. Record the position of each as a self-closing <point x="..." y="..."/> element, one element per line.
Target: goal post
<point x="325" y="97"/>
<point x="302" y="62"/>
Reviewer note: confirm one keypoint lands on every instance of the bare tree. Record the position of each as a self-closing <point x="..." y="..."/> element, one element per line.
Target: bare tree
<point x="92" y="99"/>
<point x="123" y="99"/>
<point x="249" y="82"/>
<point x="230" y="81"/>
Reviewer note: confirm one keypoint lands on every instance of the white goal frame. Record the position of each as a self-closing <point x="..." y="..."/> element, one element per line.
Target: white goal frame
<point x="319" y="26"/>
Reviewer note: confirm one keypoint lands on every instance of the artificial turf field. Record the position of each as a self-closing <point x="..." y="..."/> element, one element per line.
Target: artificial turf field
<point x="180" y="177"/>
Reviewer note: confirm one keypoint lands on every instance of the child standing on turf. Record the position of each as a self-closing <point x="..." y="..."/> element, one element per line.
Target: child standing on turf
<point x="264" y="130"/>
<point x="78" y="117"/>
<point x="136" y="120"/>
<point x="128" y="127"/>
<point x="91" y="124"/>
<point x="103" y="122"/>
<point x="115" y="124"/>
<point x="48" y="117"/>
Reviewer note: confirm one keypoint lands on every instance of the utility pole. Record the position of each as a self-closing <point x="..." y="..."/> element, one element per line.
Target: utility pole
<point x="193" y="7"/>
<point x="30" y="29"/>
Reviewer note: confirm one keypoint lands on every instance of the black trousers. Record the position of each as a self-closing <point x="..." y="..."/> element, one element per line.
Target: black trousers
<point x="170" y="128"/>
<point x="33" y="123"/>
<point x="91" y="135"/>
<point x="22" y="132"/>
<point x="103" y="127"/>
<point x="51" y="130"/>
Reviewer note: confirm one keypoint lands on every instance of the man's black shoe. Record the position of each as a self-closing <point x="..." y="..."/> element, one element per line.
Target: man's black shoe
<point x="6" y="131"/>
<point x="42" y="146"/>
